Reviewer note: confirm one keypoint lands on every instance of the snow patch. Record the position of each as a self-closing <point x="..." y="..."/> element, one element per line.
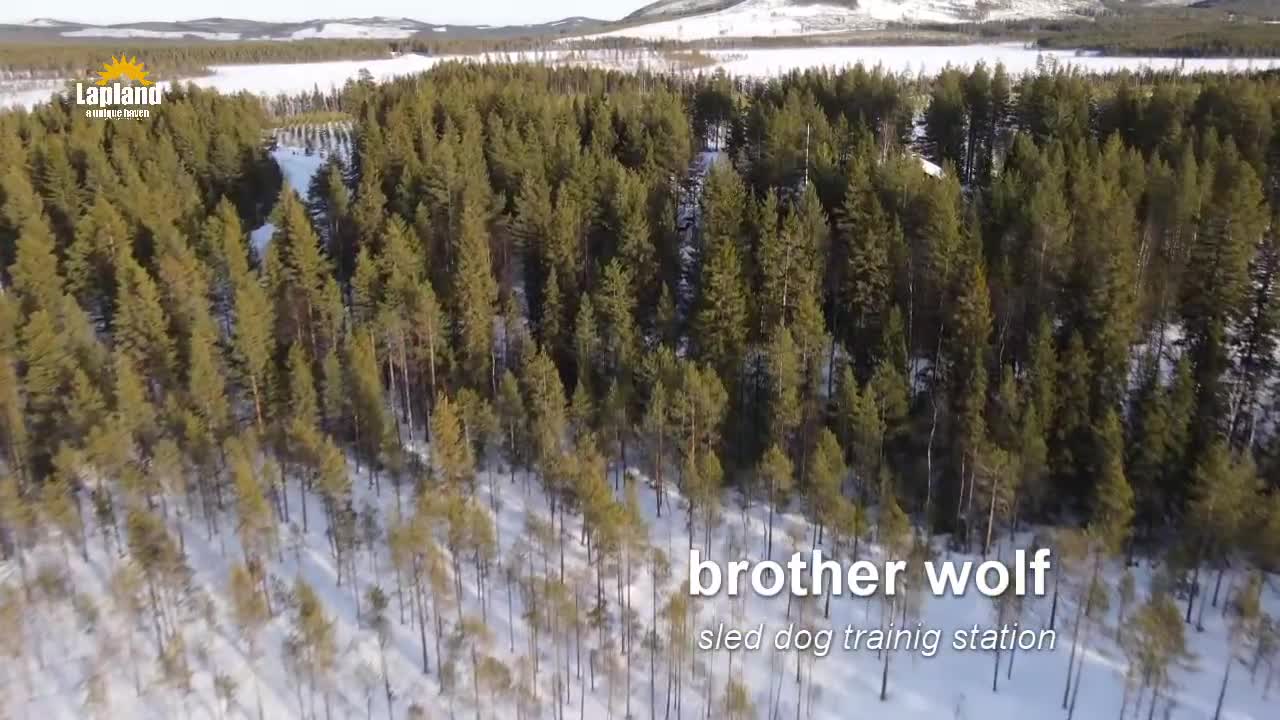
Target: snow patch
<point x="338" y="30"/>
<point x="260" y="237"/>
<point x="930" y="168"/>
<point x="114" y="32"/>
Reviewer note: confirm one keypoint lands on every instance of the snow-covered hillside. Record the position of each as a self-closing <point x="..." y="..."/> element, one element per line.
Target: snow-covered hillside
<point x="680" y="7"/>
<point x="323" y="28"/>
<point x="329" y="30"/>
<point x="142" y="33"/>
<point x="780" y="18"/>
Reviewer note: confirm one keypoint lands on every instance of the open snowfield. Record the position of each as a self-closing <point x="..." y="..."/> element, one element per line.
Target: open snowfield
<point x="304" y="77"/>
<point x="1015" y="57"/>
<point x="75" y="645"/>
<point x="267" y="79"/>
<point x="27" y="92"/>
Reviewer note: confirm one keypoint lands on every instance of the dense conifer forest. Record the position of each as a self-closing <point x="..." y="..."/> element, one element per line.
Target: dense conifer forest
<point x="1179" y="35"/>
<point x="616" y="286"/>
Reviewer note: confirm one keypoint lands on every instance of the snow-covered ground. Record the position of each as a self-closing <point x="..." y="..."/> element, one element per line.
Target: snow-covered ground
<point x="303" y="77"/>
<point x="264" y="79"/>
<point x="28" y="91"/>
<point x="79" y="641"/>
<point x="930" y="59"/>
<point x="301" y="152"/>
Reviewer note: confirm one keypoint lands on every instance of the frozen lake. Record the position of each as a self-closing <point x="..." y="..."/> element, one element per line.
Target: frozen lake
<point x="930" y="59"/>
<point x="304" y="77"/>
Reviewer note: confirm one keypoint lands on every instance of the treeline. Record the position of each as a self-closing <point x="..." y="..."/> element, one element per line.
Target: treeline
<point x="171" y="59"/>
<point x="1075" y="324"/>
<point x="1215" y="36"/>
<point x="1143" y="33"/>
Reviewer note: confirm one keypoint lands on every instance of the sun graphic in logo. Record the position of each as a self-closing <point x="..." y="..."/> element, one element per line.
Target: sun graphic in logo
<point x="124" y="68"/>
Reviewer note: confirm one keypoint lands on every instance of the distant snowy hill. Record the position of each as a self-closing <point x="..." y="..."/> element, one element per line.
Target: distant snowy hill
<point x="231" y="29"/>
<point x="681" y="7"/>
<point x="709" y="19"/>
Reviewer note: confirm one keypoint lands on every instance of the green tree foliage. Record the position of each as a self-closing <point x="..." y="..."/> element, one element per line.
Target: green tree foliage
<point x="1074" y="325"/>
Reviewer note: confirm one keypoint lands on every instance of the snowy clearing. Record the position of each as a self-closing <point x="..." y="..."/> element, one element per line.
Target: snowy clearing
<point x="300" y="152"/>
<point x="304" y="77"/>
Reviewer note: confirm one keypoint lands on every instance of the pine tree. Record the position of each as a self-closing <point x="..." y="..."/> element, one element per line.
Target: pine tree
<point x="141" y="323"/>
<point x="721" y="317"/>
<point x="100" y="238"/>
<point x="511" y="418"/>
<point x="967" y="374"/>
<point x="475" y="297"/>
<point x="368" y="403"/>
<point x="775" y="473"/>
<point x="868" y="238"/>
<point x="256" y="523"/>
<point x="1215" y="295"/>
<point x="1112" y="515"/>
<point x="586" y="342"/>
<point x="1224" y="490"/>
<point x="311" y="644"/>
<point x="946" y="120"/>
<point x="254" y="343"/>
<point x="299" y="276"/>
<point x="34" y="273"/>
<point x="784" y="402"/>
<point x="826" y="476"/>
<point x="616" y="301"/>
<point x="452" y="460"/>
<point x="545" y="400"/>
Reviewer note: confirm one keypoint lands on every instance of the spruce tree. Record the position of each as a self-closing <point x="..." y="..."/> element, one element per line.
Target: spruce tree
<point x="475" y="297"/>
<point x="35" y="270"/>
<point x="775" y="473"/>
<point x="721" y="316"/>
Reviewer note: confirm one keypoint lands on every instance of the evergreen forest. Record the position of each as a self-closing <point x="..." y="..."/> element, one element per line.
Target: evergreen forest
<point x="633" y="299"/>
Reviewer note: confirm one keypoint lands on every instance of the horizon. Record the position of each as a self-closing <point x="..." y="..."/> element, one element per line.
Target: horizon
<point x="483" y="12"/>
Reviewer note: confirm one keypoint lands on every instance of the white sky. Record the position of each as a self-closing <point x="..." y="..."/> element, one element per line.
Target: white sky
<point x="473" y="12"/>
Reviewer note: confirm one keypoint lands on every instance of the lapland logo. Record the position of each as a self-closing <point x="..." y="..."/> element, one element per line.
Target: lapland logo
<point x="123" y="68"/>
<point x="112" y="98"/>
